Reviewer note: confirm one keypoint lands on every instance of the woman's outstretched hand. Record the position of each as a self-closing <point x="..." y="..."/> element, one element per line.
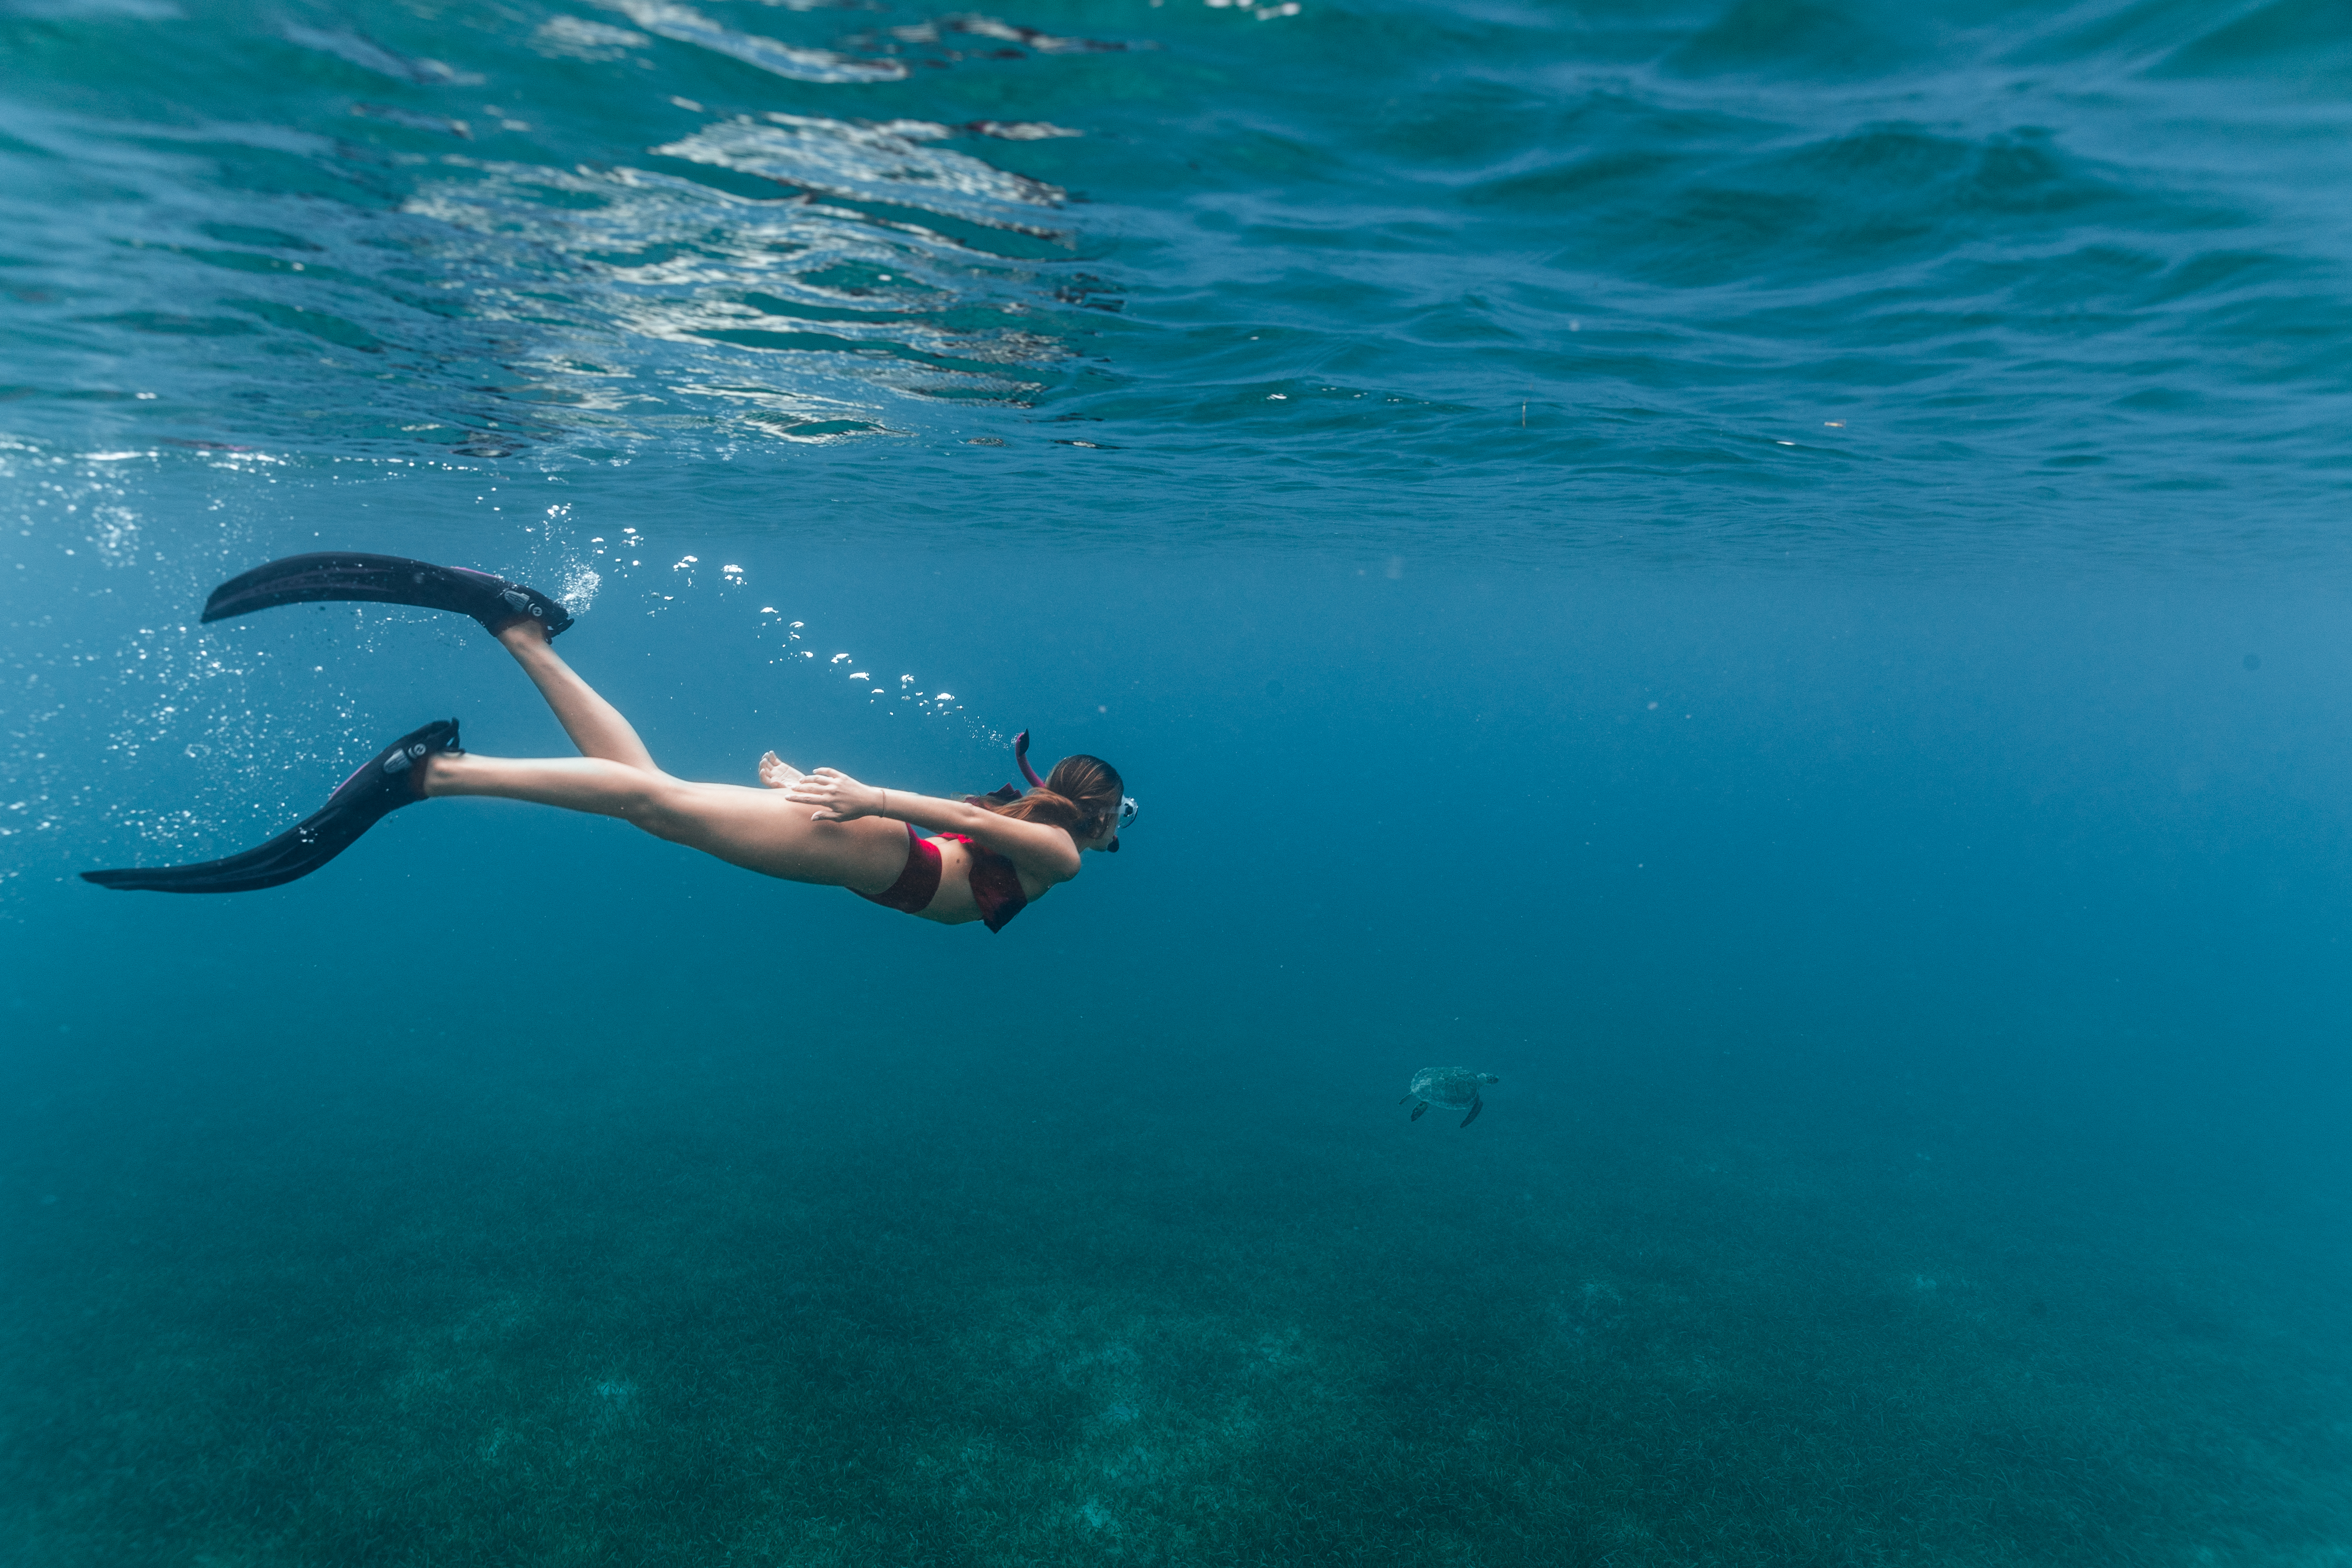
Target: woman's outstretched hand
<point x="837" y="796"/>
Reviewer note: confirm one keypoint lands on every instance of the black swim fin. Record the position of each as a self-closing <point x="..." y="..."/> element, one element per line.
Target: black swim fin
<point x="385" y="580"/>
<point x="383" y="785"/>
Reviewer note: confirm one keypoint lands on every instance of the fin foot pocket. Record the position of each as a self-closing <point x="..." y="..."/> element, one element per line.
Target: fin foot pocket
<point x="352" y="577"/>
<point x="383" y="784"/>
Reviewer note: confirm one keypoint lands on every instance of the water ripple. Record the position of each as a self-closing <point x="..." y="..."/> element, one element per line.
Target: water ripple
<point x="686" y="26"/>
<point x="887" y="162"/>
<point x="1822" y="266"/>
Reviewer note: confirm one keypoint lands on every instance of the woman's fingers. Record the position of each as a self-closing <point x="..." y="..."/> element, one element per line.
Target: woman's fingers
<point x="824" y="794"/>
<point x="828" y="789"/>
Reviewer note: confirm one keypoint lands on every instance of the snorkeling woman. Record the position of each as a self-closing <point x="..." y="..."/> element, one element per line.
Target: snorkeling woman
<point x="988" y="855"/>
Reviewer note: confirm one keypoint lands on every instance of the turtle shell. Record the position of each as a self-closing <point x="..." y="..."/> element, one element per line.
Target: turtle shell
<point x="1454" y="1088"/>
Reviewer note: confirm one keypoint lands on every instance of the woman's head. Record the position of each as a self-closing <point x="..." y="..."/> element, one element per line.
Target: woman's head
<point x="1082" y="793"/>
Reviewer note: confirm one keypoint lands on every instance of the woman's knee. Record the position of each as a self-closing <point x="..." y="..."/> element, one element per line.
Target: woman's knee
<point x="664" y="806"/>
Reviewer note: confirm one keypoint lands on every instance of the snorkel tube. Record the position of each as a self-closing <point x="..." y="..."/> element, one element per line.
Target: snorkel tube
<point x="1021" y="760"/>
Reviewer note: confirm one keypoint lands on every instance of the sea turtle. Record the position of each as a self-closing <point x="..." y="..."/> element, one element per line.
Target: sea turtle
<point x="1452" y="1088"/>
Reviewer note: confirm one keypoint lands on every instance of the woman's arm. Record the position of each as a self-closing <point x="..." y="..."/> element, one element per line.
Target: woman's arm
<point x="1047" y="852"/>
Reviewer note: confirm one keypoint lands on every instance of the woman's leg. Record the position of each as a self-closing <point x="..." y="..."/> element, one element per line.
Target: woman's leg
<point x="595" y="725"/>
<point x="754" y="829"/>
<point x="616" y="776"/>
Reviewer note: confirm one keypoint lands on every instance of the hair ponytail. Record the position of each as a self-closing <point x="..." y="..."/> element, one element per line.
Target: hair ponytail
<point x="1081" y="795"/>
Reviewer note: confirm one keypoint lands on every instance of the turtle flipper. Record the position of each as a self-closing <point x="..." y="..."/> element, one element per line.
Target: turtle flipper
<point x="1476" y="1105"/>
<point x="1417" y="1110"/>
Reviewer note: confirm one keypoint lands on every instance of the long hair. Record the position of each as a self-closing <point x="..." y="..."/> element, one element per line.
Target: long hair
<point x="1082" y="793"/>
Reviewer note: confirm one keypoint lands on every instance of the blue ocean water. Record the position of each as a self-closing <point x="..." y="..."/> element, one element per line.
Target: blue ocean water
<point x="1767" y="572"/>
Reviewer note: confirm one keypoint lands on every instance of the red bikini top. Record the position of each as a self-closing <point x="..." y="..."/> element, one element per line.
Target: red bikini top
<point x="995" y="883"/>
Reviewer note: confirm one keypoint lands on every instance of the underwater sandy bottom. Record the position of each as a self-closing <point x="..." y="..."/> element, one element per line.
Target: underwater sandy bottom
<point x="414" y="1302"/>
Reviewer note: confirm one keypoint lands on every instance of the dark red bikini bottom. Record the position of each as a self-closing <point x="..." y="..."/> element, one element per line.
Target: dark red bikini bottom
<point x="917" y="884"/>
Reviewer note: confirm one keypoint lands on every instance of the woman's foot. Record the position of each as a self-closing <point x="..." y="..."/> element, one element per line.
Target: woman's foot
<point x="777" y="774"/>
<point x="420" y="779"/>
<point x="523" y="633"/>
